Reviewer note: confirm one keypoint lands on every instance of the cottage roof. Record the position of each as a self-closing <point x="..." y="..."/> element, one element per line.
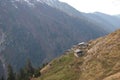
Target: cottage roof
<point x="77" y="50"/>
<point x="82" y="43"/>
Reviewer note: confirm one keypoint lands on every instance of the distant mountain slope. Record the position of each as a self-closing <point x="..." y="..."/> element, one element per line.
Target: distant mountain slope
<point x="101" y="61"/>
<point x="107" y="22"/>
<point x="110" y="23"/>
<point x="36" y="31"/>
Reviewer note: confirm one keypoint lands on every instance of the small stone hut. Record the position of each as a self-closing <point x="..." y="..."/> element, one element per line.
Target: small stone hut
<point x="78" y="53"/>
<point x="82" y="45"/>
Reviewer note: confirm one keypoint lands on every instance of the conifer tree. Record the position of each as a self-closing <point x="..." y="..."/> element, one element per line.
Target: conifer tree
<point x="10" y="72"/>
<point x="37" y="73"/>
<point x="2" y="78"/>
<point x="21" y="75"/>
<point x="29" y="68"/>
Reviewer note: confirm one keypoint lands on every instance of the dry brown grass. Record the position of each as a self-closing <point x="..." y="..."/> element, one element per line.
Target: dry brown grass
<point x="113" y="77"/>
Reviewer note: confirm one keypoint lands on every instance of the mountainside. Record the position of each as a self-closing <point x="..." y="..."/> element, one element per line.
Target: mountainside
<point x="34" y="30"/>
<point x="111" y="23"/>
<point x="107" y="22"/>
<point x="100" y="61"/>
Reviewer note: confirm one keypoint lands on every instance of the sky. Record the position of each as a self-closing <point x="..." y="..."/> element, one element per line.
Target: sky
<point x="111" y="7"/>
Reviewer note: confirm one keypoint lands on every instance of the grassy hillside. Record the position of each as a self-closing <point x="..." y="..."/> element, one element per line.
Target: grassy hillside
<point x="101" y="61"/>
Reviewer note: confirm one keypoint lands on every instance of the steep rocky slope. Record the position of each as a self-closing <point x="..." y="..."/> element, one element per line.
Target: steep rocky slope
<point x="101" y="61"/>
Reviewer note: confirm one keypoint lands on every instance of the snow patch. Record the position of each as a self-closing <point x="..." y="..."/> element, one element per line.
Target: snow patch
<point x="29" y="3"/>
<point x="13" y="3"/>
